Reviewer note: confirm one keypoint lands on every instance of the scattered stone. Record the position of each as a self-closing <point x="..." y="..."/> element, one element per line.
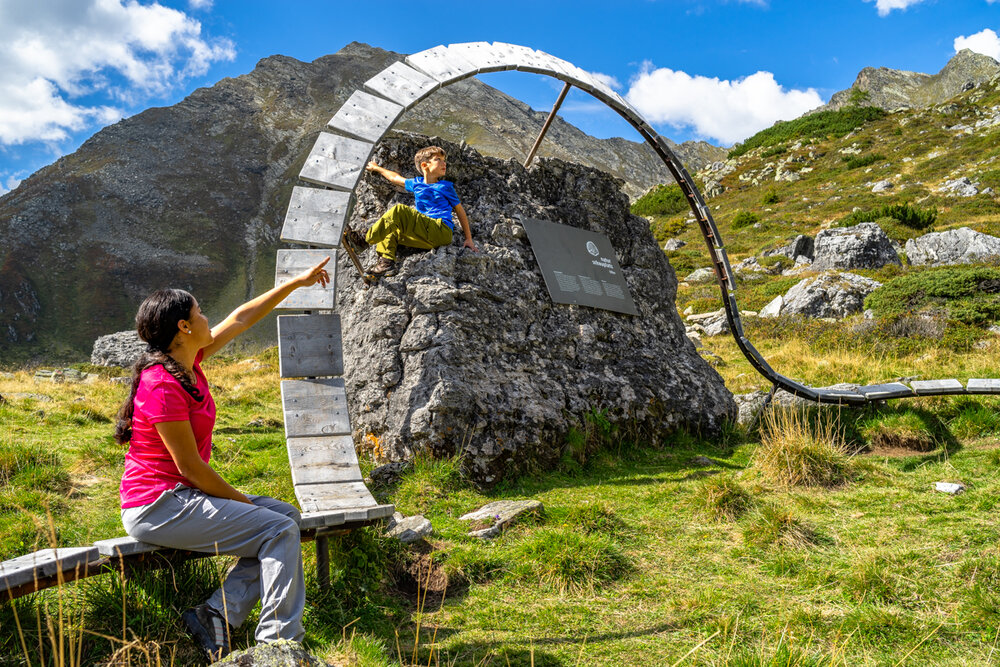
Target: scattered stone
<point x="701" y="275"/>
<point x="390" y="474"/>
<point x="955" y="246"/>
<point x="703" y="461"/>
<point x="951" y="488"/>
<point x="882" y="186"/>
<point x="829" y="295"/>
<point x="713" y="323"/>
<point x="749" y="406"/>
<point x="863" y="246"/>
<point x="498" y="515"/>
<point x="60" y="375"/>
<point x="4" y="375"/>
<point x="960" y="187"/>
<point x="41" y="398"/>
<point x="281" y="653"/>
<point x="674" y="244"/>
<point x="773" y="309"/>
<point x="117" y="349"/>
<point x="408" y="529"/>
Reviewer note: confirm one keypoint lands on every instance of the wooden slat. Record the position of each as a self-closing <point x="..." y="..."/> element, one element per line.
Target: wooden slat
<point x="324" y="459"/>
<point x="483" y="55"/>
<point x="309" y="346"/>
<point x="365" y="116"/>
<point x="336" y="161"/>
<point x="939" y="387"/>
<point x="524" y="59"/>
<point x="315" y="407"/>
<point x="983" y="386"/>
<point x="883" y="391"/>
<point x="441" y="64"/>
<point x="402" y="84"/>
<point x="124" y="546"/>
<point x="44" y="564"/>
<point x="291" y="263"/>
<point x="334" y="496"/>
<point x="316" y="217"/>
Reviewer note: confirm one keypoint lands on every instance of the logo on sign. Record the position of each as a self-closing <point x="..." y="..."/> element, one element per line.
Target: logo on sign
<point x="592" y="248"/>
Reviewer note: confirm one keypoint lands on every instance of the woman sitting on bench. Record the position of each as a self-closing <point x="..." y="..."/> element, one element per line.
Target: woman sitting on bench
<point x="173" y="498"/>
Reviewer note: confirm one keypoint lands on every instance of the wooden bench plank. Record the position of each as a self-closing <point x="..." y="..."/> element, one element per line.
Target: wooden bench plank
<point x="983" y="386"/>
<point x="334" y="496"/>
<point x="315" y="407"/>
<point x="124" y="546"/>
<point x="322" y="460"/>
<point x="292" y="262"/>
<point x="402" y="84"/>
<point x="523" y="58"/>
<point x="44" y="564"/>
<point x="883" y="391"/>
<point x="336" y="161"/>
<point x="365" y="116"/>
<point x="316" y="217"/>
<point x="950" y="386"/>
<point x="441" y="64"/>
<point x="331" y="519"/>
<point x="309" y="346"/>
<point x="483" y="55"/>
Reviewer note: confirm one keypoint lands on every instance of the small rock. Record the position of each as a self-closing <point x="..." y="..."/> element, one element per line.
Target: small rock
<point x="674" y="244"/>
<point x="281" y="653"/>
<point x="702" y="461"/>
<point x="408" y="529"/>
<point x="951" y="488"/>
<point x="882" y="186"/>
<point x="749" y="406"/>
<point x="500" y="514"/>
<point x="41" y="398"/>
<point x="701" y="275"/>
<point x="773" y="309"/>
<point x="390" y="473"/>
<point x="960" y="187"/>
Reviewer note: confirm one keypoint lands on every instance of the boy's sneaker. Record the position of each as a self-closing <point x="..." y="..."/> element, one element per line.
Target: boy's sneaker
<point x="355" y="239"/>
<point x="209" y="630"/>
<point x="384" y="268"/>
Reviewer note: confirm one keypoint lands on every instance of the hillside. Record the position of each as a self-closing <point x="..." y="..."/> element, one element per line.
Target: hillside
<point x="193" y="195"/>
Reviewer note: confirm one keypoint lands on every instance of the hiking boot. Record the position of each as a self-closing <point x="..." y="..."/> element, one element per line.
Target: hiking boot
<point x="384" y="268"/>
<point x="209" y="630"/>
<point x="355" y="239"/>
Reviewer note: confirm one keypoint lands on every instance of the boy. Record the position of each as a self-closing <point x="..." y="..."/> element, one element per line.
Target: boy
<point x="428" y="226"/>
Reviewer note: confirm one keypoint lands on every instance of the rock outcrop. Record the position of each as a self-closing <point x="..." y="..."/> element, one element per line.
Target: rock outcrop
<point x="863" y="246"/>
<point x="465" y="353"/>
<point x="955" y="246"/>
<point x="829" y="295"/>
<point x="117" y="349"/>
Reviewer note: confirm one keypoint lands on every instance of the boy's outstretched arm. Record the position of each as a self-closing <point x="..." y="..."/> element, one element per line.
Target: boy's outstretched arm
<point x="460" y="212"/>
<point x="387" y="174"/>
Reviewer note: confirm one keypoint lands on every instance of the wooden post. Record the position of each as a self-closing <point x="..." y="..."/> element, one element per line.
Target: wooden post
<point x="323" y="561"/>
<point x="545" y="126"/>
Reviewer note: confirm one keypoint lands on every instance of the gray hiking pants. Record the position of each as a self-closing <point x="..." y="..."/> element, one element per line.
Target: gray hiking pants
<point x="266" y="537"/>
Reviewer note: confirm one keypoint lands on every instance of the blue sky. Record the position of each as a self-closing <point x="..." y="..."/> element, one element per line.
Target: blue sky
<point x="717" y="70"/>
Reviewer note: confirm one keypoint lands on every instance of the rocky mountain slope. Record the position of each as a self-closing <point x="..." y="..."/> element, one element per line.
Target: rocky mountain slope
<point x="893" y="89"/>
<point x="193" y="195"/>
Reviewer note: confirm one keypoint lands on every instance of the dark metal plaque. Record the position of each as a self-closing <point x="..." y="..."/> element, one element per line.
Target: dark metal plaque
<point x="579" y="266"/>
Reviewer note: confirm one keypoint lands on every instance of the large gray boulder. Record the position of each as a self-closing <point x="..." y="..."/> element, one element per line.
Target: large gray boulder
<point x="828" y="295"/>
<point x="955" y="246"/>
<point x="282" y="653"/>
<point x="117" y="349"/>
<point x="465" y="353"/>
<point x="863" y="246"/>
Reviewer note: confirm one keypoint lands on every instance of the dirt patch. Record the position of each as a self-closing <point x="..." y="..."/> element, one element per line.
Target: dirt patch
<point x="417" y="572"/>
<point x="890" y="441"/>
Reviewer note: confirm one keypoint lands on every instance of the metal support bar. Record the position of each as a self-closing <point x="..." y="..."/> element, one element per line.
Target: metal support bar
<point x="323" y="561"/>
<point x="545" y="126"/>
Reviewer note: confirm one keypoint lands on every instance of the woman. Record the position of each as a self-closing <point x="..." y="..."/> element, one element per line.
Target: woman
<point x="170" y="494"/>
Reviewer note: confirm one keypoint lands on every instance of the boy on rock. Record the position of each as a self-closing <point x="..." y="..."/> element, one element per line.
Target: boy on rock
<point x="429" y="225"/>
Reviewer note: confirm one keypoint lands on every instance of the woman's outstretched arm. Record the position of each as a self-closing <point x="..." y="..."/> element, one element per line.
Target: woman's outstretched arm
<point x="252" y="311"/>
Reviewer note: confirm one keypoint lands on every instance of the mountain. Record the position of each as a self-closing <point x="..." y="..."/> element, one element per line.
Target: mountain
<point x="193" y="195"/>
<point x="893" y="89"/>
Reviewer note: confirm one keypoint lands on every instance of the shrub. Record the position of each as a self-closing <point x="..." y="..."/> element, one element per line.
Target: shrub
<point x="814" y="126"/>
<point x="770" y="197"/>
<point x="666" y="228"/>
<point x="858" y="161"/>
<point x="722" y="497"/>
<point x="897" y="231"/>
<point x="796" y="450"/>
<point x="745" y="219"/>
<point x="967" y="294"/>
<point x="771" y="152"/>
<point x="911" y="216"/>
<point x="661" y="200"/>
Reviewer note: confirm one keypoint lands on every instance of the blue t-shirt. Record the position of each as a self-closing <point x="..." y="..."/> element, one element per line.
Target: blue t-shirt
<point x="434" y="200"/>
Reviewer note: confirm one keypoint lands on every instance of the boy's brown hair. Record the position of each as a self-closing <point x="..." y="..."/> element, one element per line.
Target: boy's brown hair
<point x="425" y="154"/>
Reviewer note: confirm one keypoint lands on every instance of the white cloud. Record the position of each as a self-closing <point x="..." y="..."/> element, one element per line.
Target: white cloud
<point x="727" y="111"/>
<point x="54" y="52"/>
<point x="985" y="41"/>
<point x="200" y="4"/>
<point x="886" y="6"/>
<point x="607" y="80"/>
<point x="9" y="183"/>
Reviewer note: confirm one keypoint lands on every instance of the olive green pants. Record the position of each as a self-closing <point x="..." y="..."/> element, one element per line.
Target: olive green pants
<point x="404" y="225"/>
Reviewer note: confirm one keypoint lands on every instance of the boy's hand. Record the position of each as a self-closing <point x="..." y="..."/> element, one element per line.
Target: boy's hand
<point x="469" y="243"/>
<point x="316" y="274"/>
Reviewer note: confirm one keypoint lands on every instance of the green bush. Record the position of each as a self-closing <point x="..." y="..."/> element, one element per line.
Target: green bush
<point x="771" y="152"/>
<point x="913" y="217"/>
<point x="661" y="200"/>
<point x="745" y="219"/>
<point x="666" y="228"/>
<point x="858" y="161"/>
<point x="817" y="125"/>
<point x="967" y="294"/>
<point x="770" y="197"/>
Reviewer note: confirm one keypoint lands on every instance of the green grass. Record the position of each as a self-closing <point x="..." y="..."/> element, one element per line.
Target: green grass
<point x="814" y="126"/>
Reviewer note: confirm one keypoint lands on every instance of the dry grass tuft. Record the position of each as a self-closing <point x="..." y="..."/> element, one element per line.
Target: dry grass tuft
<point x="802" y="448"/>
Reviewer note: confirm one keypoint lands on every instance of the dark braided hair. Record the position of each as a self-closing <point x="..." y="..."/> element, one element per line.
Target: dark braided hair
<point x="156" y="323"/>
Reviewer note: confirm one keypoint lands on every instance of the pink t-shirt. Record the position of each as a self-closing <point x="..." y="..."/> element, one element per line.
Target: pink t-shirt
<point x="149" y="468"/>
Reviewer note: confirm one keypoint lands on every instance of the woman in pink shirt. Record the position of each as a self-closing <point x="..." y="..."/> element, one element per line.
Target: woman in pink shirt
<point x="172" y="497"/>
